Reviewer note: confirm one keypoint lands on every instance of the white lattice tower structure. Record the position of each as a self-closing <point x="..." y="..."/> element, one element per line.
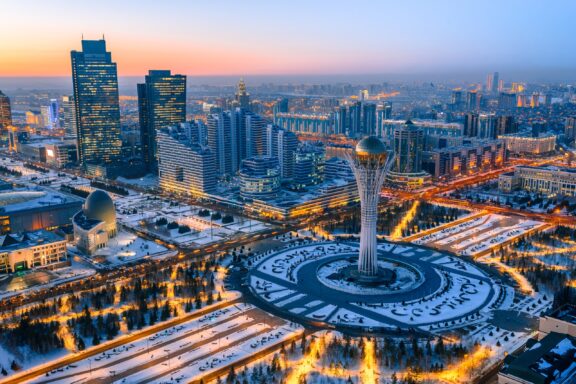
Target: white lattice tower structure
<point x="368" y="162"/>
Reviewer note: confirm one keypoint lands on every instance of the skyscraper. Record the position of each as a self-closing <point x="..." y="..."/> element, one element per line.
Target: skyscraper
<point x="369" y="118"/>
<point x="282" y="144"/>
<point x="161" y="103"/>
<point x="242" y="96"/>
<point x="5" y="111"/>
<point x="95" y="83"/>
<point x="220" y="141"/>
<point x="486" y="126"/>
<point x="492" y="82"/>
<point x="470" y="125"/>
<point x="68" y="116"/>
<point x="472" y="101"/>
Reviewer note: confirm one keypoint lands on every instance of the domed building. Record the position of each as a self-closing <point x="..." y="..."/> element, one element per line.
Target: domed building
<point x="95" y="224"/>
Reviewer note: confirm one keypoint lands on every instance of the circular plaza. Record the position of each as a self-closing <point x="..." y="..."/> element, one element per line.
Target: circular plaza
<point x="419" y="289"/>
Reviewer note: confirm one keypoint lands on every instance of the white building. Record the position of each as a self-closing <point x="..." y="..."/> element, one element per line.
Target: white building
<point x="28" y="250"/>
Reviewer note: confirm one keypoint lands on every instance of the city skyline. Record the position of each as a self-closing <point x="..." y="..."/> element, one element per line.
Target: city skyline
<point x="322" y="38"/>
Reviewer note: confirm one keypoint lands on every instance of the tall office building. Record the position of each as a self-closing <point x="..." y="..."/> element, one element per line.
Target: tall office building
<point x="5" y="111"/>
<point x="486" y="126"/>
<point x="472" y="101"/>
<point x="406" y="170"/>
<point x="369" y="119"/>
<point x="342" y="123"/>
<point x="505" y="125"/>
<point x="470" y="125"/>
<point x="95" y="83"/>
<point x="184" y="166"/>
<point x="492" y="82"/>
<point x="68" y="121"/>
<point x="282" y="144"/>
<point x="456" y="99"/>
<point x="355" y="113"/>
<point x="242" y="96"/>
<point x="161" y="103"/>
<point x="570" y="128"/>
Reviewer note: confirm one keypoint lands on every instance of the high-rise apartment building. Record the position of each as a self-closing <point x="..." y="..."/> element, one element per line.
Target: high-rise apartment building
<point x="95" y="84"/>
<point x="282" y="144"/>
<point x="184" y="166"/>
<point x="161" y="103"/>
<point x="242" y="96"/>
<point x="472" y="101"/>
<point x="492" y="82"/>
<point x="570" y="128"/>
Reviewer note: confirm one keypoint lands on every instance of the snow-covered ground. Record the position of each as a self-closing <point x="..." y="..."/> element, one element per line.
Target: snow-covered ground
<point x="187" y="351"/>
<point x="479" y="234"/>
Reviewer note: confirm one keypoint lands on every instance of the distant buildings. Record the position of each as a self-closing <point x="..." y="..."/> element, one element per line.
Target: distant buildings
<point x="526" y="144"/>
<point x="23" y="210"/>
<point x="95" y="224"/>
<point x="184" y="166"/>
<point x="259" y="178"/>
<point x="242" y="97"/>
<point x="95" y="84"/>
<point x="50" y="115"/>
<point x="492" y="82"/>
<point x="307" y="123"/>
<point x="161" y="103"/>
<point x="28" y="250"/>
<point x="545" y="180"/>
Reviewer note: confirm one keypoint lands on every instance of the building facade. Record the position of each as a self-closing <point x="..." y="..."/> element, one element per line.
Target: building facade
<point x="548" y="181"/>
<point x="259" y="178"/>
<point x="161" y="103"/>
<point x="526" y="144"/>
<point x="184" y="166"/>
<point x="95" y="84"/>
<point x="28" y="250"/>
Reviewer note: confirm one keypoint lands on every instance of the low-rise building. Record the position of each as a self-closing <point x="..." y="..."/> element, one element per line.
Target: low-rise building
<point x="548" y="180"/>
<point x="562" y="320"/>
<point x="550" y="360"/>
<point x="37" y="249"/>
<point x="527" y="144"/>
<point x="25" y="210"/>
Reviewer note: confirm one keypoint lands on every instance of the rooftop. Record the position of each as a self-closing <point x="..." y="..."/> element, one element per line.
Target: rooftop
<point x="15" y="241"/>
<point x="24" y="199"/>
<point x="565" y="313"/>
<point x="551" y="360"/>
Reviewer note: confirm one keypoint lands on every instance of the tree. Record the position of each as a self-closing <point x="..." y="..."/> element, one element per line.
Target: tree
<point x="95" y="339"/>
<point x="227" y="219"/>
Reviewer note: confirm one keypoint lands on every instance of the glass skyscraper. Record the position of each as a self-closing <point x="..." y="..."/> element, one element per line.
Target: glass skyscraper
<point x="161" y="103"/>
<point x="95" y="83"/>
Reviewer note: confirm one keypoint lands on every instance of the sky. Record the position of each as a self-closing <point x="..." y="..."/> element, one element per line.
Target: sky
<point x="291" y="37"/>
